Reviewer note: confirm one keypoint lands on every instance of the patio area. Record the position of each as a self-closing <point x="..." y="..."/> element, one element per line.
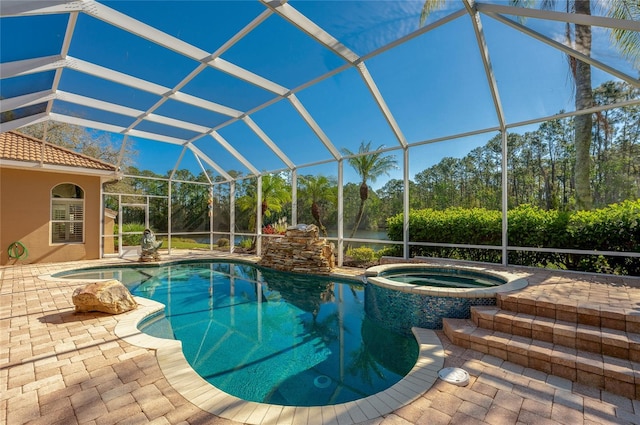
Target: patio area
<point x="59" y="367"/>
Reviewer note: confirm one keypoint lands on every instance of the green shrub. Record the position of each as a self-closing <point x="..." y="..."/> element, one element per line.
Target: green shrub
<point x="533" y="226"/>
<point x="246" y="243"/>
<point x="223" y="242"/>
<point x="389" y="251"/>
<point x="130" y="240"/>
<point x="613" y="228"/>
<point x="454" y="225"/>
<point x="530" y="226"/>
<point x="362" y="254"/>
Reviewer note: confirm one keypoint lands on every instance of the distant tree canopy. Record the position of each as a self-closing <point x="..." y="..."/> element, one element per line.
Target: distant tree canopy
<point x="541" y="164"/>
<point x="95" y="144"/>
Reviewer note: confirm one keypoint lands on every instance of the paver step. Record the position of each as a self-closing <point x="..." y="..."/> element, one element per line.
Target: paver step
<point x="599" y="340"/>
<point x="612" y="374"/>
<point x="571" y="310"/>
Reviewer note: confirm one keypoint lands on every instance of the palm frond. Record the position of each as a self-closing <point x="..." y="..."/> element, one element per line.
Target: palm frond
<point x="429" y="7"/>
<point x="627" y="42"/>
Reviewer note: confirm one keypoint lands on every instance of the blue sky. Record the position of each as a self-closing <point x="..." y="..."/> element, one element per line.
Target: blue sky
<point x="434" y="85"/>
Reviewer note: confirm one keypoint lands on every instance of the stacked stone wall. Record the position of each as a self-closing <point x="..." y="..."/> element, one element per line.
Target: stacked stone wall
<point x="299" y="250"/>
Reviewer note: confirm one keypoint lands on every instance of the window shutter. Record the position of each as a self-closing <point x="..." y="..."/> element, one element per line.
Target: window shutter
<point x="67" y="217"/>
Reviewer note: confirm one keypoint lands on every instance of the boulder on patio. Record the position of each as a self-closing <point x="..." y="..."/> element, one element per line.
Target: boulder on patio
<point x="110" y="296"/>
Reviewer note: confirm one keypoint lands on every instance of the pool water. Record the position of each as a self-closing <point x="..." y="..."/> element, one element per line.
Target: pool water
<point x="268" y="336"/>
<point x="442" y="278"/>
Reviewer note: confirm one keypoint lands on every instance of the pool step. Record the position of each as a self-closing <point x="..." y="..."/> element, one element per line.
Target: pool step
<point x="595" y="339"/>
<point x="613" y="374"/>
<point x="571" y="310"/>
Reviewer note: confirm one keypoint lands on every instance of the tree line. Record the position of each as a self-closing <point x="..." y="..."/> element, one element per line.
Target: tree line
<point x="540" y="165"/>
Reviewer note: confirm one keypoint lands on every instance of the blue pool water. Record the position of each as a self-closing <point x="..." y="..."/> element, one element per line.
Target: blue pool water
<point x="270" y="336"/>
<point x="442" y="277"/>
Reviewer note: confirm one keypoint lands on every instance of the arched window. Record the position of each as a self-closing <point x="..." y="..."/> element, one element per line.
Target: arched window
<point x="67" y="213"/>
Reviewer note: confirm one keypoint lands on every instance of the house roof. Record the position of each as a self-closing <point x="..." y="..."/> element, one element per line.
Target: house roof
<point x="19" y="147"/>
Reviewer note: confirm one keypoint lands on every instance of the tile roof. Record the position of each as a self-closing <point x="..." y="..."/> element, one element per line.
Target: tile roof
<point x="20" y="147"/>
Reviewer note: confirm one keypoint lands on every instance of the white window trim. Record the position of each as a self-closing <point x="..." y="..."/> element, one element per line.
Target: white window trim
<point x="66" y="202"/>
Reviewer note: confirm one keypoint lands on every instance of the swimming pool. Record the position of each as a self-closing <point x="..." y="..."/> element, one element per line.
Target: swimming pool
<point x="267" y="336"/>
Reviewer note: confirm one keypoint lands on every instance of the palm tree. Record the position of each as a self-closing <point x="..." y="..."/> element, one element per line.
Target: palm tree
<point x="275" y="194"/>
<point x="626" y="41"/>
<point x="319" y="189"/>
<point x="369" y="166"/>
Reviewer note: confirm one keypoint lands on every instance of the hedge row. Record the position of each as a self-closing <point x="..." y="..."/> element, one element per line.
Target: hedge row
<point x="613" y="228"/>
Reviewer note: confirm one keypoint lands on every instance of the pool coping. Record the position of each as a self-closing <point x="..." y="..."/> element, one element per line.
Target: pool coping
<point x="513" y="281"/>
<point x="194" y="388"/>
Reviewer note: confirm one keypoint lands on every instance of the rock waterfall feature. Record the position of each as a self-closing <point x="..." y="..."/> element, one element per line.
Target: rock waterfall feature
<point x="300" y="251"/>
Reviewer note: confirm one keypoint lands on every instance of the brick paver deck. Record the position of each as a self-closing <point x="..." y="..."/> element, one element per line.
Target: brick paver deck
<point x="59" y="367"/>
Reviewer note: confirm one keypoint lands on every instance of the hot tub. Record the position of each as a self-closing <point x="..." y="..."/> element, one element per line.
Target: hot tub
<point x="403" y="295"/>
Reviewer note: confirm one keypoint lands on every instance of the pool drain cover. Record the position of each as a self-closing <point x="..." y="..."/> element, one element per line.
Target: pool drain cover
<point x="454" y="375"/>
<point x="322" y="381"/>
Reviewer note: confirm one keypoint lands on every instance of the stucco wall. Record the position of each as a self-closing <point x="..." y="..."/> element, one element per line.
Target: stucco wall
<point x="25" y="211"/>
